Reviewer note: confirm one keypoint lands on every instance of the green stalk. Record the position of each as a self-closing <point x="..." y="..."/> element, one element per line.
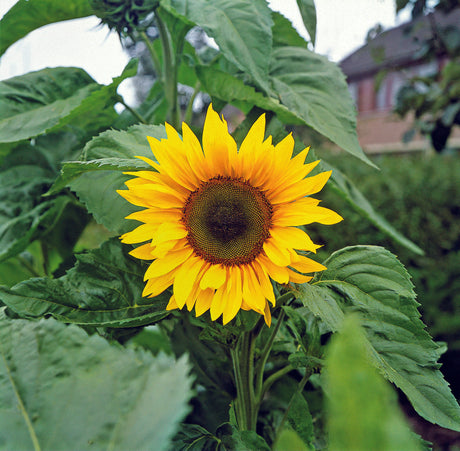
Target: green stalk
<point x="169" y="75"/>
<point x="243" y="367"/>
<point x="264" y="357"/>
<point x="153" y="54"/>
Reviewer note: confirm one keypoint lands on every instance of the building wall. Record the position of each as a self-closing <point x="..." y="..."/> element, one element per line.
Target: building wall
<point x="379" y="130"/>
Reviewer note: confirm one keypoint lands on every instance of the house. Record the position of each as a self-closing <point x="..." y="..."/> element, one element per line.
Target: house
<point x="377" y="70"/>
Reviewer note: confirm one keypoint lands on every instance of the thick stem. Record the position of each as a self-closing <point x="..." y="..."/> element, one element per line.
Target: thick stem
<point x="169" y="74"/>
<point x="243" y="367"/>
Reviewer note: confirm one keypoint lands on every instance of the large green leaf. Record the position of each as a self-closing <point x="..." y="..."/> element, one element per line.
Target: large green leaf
<point x="370" y="280"/>
<point x="241" y="29"/>
<point x="25" y="175"/>
<point x="363" y="410"/>
<point x="96" y="186"/>
<point x="284" y="33"/>
<point x="103" y="289"/>
<point x="63" y="389"/>
<point x="28" y="15"/>
<point x="48" y="99"/>
<point x="32" y="103"/>
<point x="314" y="89"/>
<point x="347" y="190"/>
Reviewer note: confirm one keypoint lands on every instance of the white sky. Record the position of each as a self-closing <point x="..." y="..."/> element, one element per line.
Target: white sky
<point x="342" y="27"/>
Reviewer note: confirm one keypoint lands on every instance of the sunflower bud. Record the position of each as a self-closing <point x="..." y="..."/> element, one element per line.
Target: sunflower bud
<point x="125" y="16"/>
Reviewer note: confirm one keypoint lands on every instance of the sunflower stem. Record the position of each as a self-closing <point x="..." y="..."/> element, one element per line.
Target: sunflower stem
<point x="243" y="367"/>
<point x="168" y="74"/>
<point x="264" y="357"/>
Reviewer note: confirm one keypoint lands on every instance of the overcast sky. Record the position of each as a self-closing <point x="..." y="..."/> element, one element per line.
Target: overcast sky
<point x="342" y="27"/>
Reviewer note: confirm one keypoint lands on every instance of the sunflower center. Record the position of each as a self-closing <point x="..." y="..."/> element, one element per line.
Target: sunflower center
<point x="227" y="221"/>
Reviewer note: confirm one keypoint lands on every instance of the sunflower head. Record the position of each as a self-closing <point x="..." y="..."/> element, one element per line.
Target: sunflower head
<point x="124" y="16"/>
<point x="221" y="223"/>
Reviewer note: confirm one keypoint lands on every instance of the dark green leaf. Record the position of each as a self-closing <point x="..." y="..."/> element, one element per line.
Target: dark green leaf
<point x="33" y="103"/>
<point x="103" y="289"/>
<point x="308" y="13"/>
<point x="234" y="440"/>
<point x="192" y="437"/>
<point x="346" y="189"/>
<point x="370" y="280"/>
<point x="363" y="410"/>
<point x="49" y="99"/>
<point x="301" y="421"/>
<point x="61" y="389"/>
<point x="241" y="28"/>
<point x="315" y="90"/>
<point x="24" y="176"/>
<point x="28" y="15"/>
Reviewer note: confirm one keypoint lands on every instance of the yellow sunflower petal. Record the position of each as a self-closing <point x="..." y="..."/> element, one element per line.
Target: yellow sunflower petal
<point x="170" y="261"/>
<point x="144" y="232"/>
<point x="169" y="231"/>
<point x="156" y="286"/>
<point x="203" y="301"/>
<point x="214" y="277"/>
<point x="235" y="295"/>
<point x="267" y="315"/>
<point x="144" y="252"/>
<point x="171" y="304"/>
<point x="186" y="278"/>
<point x="310" y="185"/>
<point x="217" y="304"/>
<point x="292" y="237"/>
<point x="298" y="278"/>
<point x="277" y="273"/>
<point x="252" y="292"/>
<point x="278" y="255"/>
<point x="306" y="265"/>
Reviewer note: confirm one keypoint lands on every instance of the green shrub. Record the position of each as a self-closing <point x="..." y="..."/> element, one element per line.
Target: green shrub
<point x="419" y="195"/>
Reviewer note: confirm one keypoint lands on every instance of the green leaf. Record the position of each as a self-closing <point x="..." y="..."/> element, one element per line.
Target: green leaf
<point x="234" y="440"/>
<point x="289" y="439"/>
<point x="301" y="421"/>
<point x="346" y="189"/>
<point x="103" y="289"/>
<point x="362" y="408"/>
<point x="33" y="103"/>
<point x="28" y="15"/>
<point x="315" y="90"/>
<point x="284" y="33"/>
<point x="226" y="87"/>
<point x="63" y="389"/>
<point x="370" y="280"/>
<point x="308" y="12"/>
<point x="24" y="175"/>
<point x="96" y="187"/>
<point x="241" y="29"/>
<point x="49" y="99"/>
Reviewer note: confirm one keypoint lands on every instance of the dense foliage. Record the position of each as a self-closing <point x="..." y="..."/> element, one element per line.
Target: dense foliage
<point x="87" y="362"/>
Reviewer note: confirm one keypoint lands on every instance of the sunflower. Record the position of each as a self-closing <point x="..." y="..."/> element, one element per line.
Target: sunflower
<point x="219" y="223"/>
